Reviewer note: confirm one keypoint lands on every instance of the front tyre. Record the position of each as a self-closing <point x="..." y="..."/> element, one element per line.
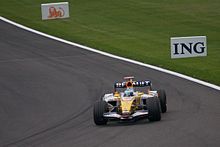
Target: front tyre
<point x="153" y="107"/>
<point x="100" y="108"/>
<point x="163" y="100"/>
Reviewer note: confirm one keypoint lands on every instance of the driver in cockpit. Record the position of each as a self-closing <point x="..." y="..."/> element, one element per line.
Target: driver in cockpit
<point x="129" y="92"/>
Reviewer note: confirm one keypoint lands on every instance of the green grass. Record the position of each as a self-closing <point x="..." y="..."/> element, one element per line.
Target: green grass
<point x="137" y="29"/>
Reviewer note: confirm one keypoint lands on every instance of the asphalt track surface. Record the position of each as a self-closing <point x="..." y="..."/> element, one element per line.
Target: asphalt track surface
<point x="47" y="91"/>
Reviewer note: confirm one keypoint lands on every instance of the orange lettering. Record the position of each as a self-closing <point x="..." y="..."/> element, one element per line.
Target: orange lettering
<point x="54" y="13"/>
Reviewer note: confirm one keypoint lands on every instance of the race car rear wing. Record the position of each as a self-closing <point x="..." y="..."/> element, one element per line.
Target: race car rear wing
<point x="132" y="84"/>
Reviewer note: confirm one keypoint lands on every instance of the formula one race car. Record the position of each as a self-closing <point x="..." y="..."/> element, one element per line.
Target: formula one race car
<point x="127" y="104"/>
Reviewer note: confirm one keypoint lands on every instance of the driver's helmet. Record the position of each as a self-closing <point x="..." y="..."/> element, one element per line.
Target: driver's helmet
<point x="129" y="92"/>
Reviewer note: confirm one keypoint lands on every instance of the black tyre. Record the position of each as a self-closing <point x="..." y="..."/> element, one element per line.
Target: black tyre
<point x="153" y="107"/>
<point x="163" y="100"/>
<point x="100" y="108"/>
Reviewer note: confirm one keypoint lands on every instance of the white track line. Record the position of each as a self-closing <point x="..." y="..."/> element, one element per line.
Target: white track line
<point x="112" y="56"/>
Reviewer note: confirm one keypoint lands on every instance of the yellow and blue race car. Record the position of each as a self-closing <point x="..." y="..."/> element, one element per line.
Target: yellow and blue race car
<point x="128" y="103"/>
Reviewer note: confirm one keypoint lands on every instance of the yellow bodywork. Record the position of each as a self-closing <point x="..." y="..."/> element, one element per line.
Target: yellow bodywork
<point x="126" y="105"/>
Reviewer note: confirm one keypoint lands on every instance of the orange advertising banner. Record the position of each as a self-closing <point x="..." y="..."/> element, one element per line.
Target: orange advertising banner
<point x="55" y="10"/>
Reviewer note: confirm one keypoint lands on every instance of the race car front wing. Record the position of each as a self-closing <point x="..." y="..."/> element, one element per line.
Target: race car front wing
<point x="114" y="115"/>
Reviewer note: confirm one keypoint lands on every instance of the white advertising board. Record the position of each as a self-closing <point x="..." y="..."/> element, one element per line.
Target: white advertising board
<point x="55" y="10"/>
<point x="184" y="47"/>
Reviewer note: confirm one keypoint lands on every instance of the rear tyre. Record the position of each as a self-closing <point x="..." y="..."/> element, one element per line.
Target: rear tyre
<point x="163" y="100"/>
<point x="100" y="108"/>
<point x="153" y="107"/>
